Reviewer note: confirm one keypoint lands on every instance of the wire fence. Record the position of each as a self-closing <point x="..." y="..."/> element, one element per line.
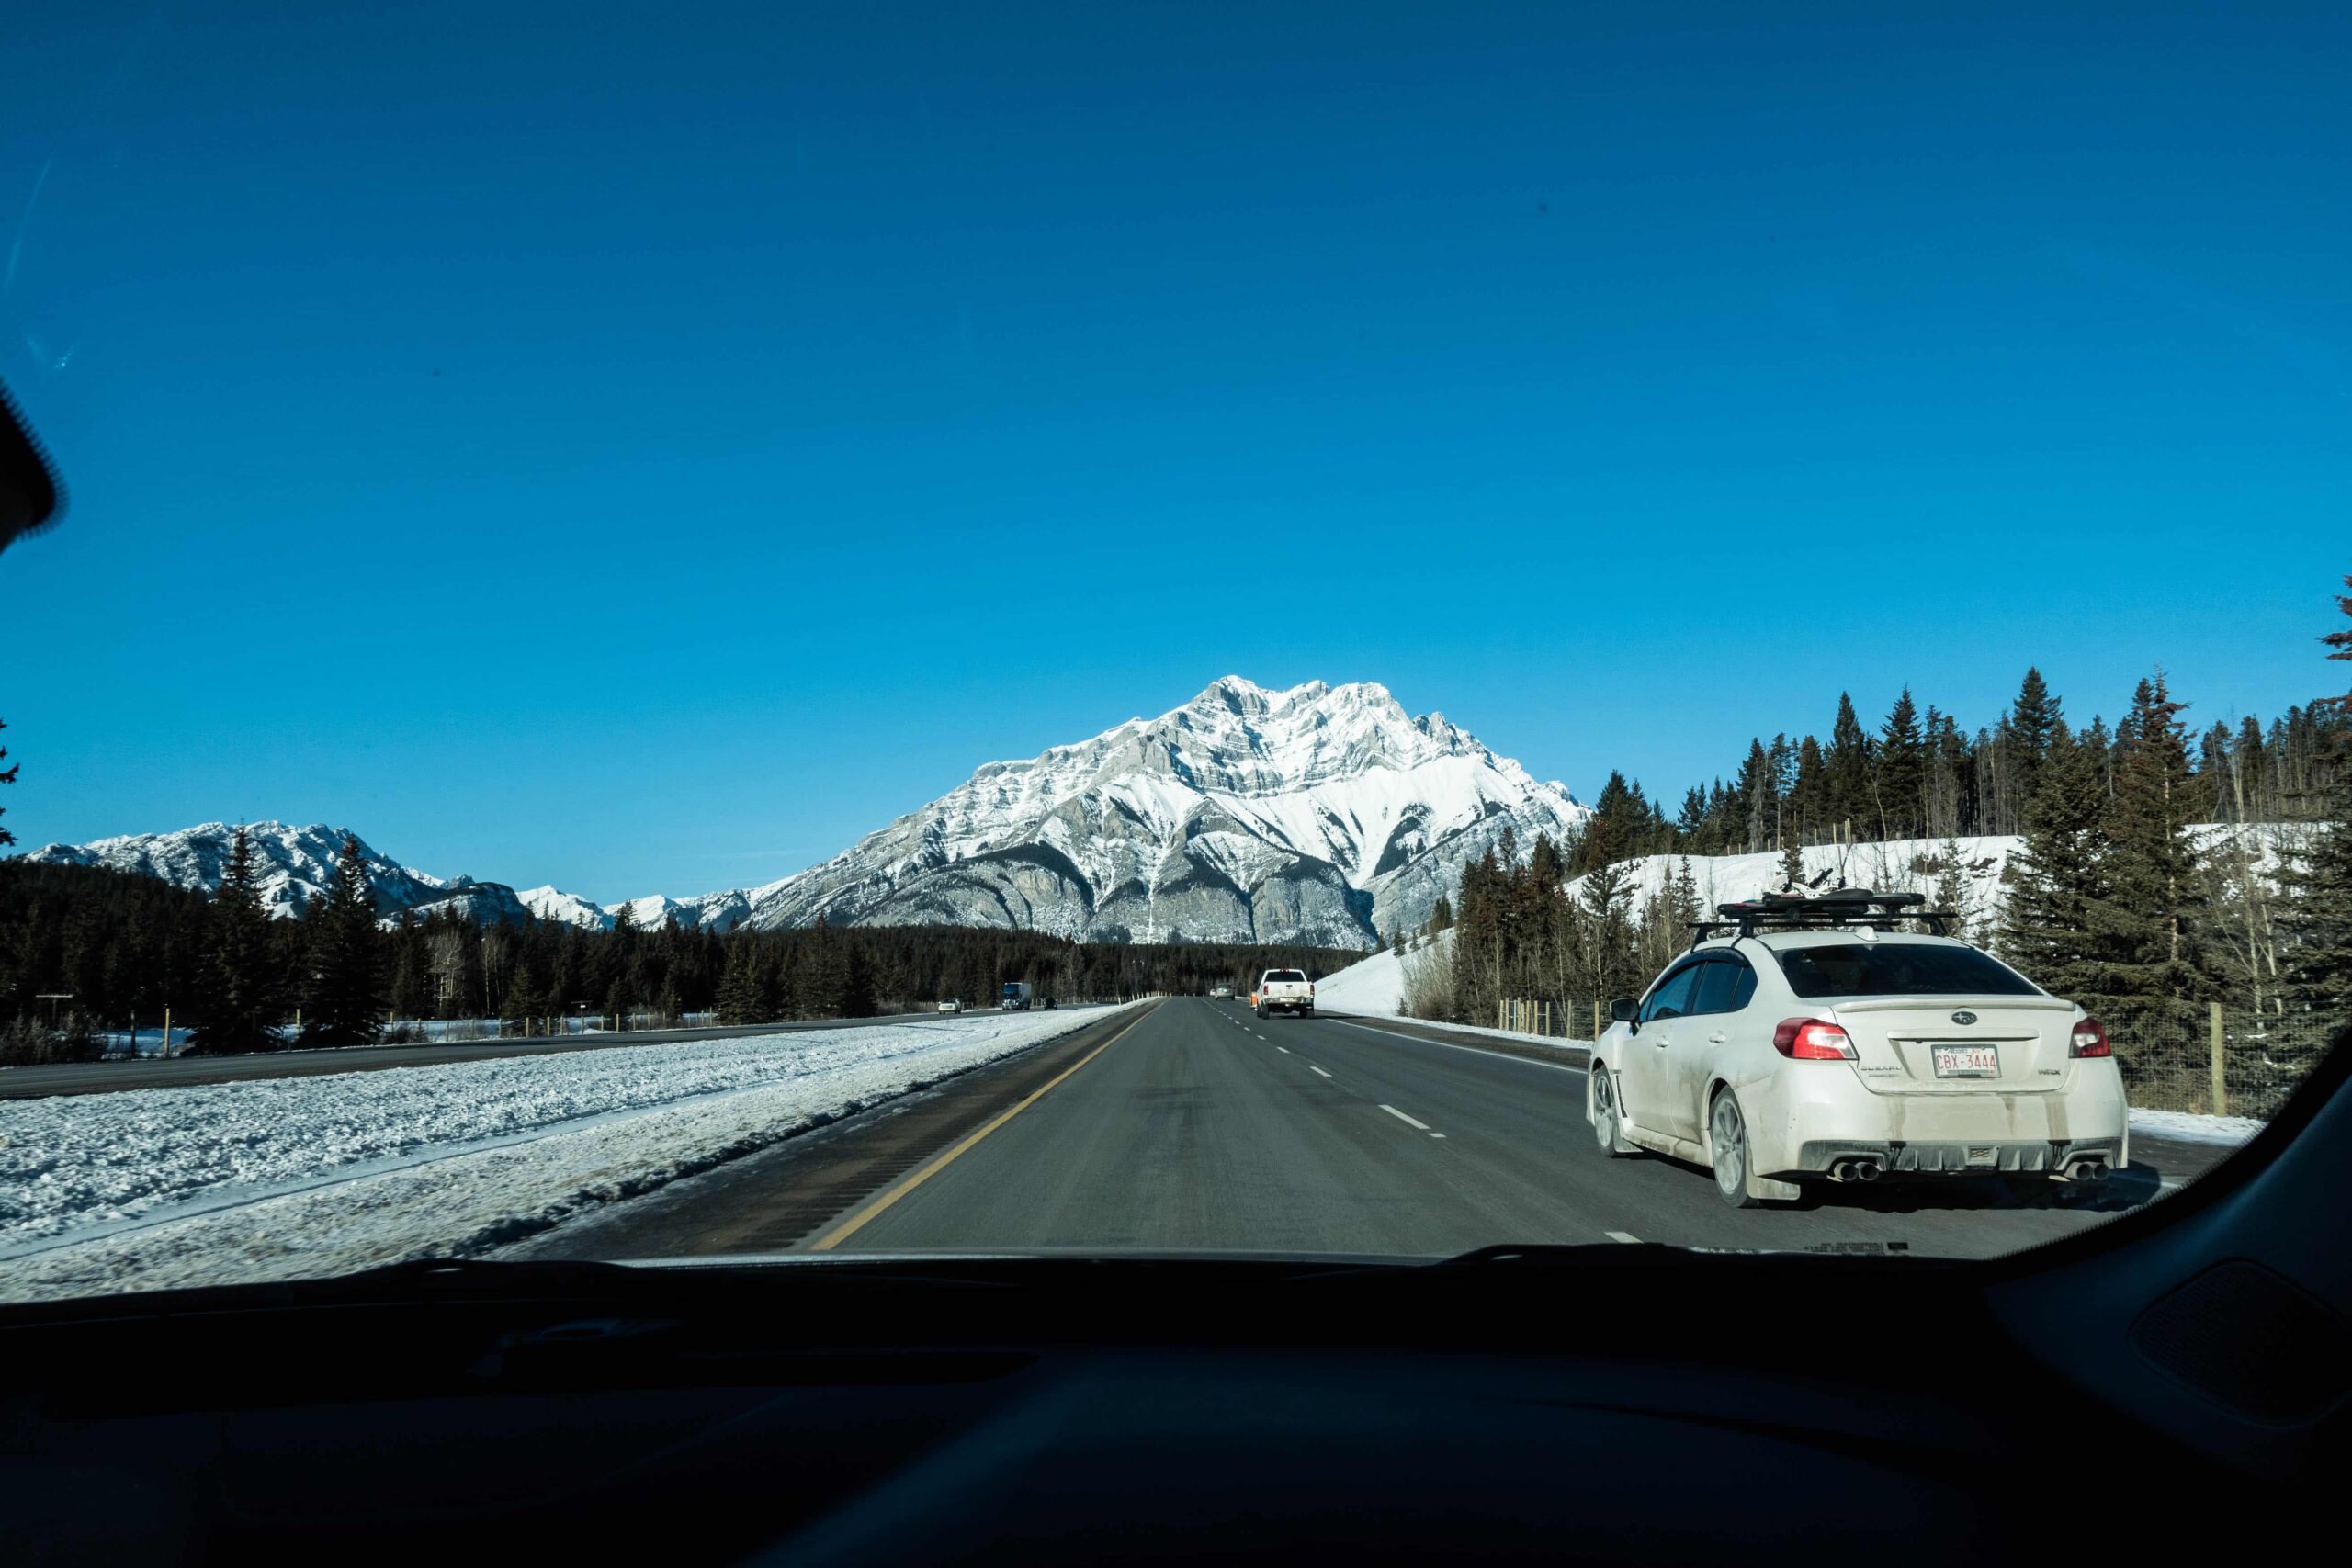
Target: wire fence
<point x="2217" y="1060"/>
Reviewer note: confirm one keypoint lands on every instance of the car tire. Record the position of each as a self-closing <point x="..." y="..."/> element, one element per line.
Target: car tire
<point x="1601" y="1112"/>
<point x="1727" y="1146"/>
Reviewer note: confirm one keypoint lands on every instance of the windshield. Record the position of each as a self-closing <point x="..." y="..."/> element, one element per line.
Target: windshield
<point x="1897" y="969"/>
<point x="620" y="581"/>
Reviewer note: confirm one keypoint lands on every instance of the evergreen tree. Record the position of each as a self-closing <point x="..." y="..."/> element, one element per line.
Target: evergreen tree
<point x="1847" y="769"/>
<point x="1899" y="772"/>
<point x="1441" y="915"/>
<point x="1808" y="795"/>
<point x="858" y="982"/>
<point x="2145" y="925"/>
<point x="242" y="990"/>
<point x="2034" y="722"/>
<point x="7" y="776"/>
<point x="342" y="1000"/>
<point x="1951" y="888"/>
<point x="2059" y="871"/>
<point x="1760" y="803"/>
<point x="2318" y="917"/>
<point x="739" y="989"/>
<point x="411" y="990"/>
<point x="1618" y="829"/>
<point x="523" y="1003"/>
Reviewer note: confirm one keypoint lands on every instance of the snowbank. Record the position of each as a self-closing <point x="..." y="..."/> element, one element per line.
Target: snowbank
<point x="266" y="1179"/>
<point x="1372" y="985"/>
<point x="2194" y="1128"/>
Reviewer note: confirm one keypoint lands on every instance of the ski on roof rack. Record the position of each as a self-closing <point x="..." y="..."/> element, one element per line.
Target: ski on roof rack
<point x="1832" y="910"/>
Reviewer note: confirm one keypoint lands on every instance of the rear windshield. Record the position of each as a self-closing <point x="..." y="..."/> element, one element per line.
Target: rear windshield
<point x="1902" y="969"/>
<point x="1277" y="976"/>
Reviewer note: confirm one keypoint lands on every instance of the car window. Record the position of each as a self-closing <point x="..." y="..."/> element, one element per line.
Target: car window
<point x="1743" y="984"/>
<point x="1717" y="978"/>
<point x="1672" y="998"/>
<point x="1284" y="977"/>
<point x="1898" y="969"/>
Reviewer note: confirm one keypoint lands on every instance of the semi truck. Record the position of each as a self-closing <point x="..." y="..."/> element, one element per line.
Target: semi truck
<point x="1016" y="995"/>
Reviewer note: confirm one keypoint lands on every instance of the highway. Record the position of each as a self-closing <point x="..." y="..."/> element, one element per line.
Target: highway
<point x="1196" y="1126"/>
<point x="156" y="1072"/>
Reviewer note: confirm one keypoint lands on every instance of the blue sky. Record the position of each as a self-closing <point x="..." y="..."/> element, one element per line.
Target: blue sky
<point x="644" y="453"/>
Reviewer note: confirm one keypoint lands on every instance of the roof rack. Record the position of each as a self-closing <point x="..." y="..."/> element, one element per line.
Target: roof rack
<point x="1834" y="910"/>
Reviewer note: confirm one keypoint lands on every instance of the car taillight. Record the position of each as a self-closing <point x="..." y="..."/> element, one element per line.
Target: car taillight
<point x="1812" y="1039"/>
<point x="2090" y="1039"/>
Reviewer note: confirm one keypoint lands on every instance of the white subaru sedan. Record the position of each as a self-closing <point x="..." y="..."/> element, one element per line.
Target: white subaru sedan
<point x="1847" y="1055"/>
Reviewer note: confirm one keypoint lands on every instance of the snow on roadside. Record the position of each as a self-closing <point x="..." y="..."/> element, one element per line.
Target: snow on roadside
<point x="1372" y="985"/>
<point x="2195" y="1127"/>
<point x="271" y="1178"/>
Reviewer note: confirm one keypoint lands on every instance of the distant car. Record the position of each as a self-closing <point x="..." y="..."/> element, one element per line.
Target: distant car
<point x="1844" y="1054"/>
<point x="1049" y="1002"/>
<point x="951" y="1005"/>
<point x="1222" y="993"/>
<point x="1285" y="990"/>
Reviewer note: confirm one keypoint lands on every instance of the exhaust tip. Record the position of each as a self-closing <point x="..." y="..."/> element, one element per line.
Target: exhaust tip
<point x="1866" y="1170"/>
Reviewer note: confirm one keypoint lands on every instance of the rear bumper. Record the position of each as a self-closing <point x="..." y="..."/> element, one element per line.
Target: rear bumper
<point x="1822" y="1118"/>
<point x="2048" y="1159"/>
<point x="1278" y="1004"/>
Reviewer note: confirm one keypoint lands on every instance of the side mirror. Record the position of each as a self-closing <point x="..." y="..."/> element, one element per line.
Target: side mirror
<point x="1625" y="1010"/>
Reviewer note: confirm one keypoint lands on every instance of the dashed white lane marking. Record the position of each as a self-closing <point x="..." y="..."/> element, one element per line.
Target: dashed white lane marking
<point x="1409" y="1121"/>
<point x="1623" y="1235"/>
<point x="1313" y="1068"/>
<point x="1437" y="1135"/>
<point x="1283" y="1049"/>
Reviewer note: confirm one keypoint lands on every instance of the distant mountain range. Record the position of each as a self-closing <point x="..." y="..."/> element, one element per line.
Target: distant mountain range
<point x="1320" y="814"/>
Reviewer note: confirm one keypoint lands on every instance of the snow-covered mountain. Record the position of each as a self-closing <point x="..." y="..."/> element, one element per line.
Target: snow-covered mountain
<point x="296" y="866"/>
<point x="1318" y="814"/>
<point x="1321" y="813"/>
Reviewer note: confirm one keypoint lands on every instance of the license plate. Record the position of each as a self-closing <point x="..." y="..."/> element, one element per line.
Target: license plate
<point x="1967" y="1062"/>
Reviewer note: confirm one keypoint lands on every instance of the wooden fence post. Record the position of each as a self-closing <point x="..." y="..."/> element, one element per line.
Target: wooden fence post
<point x="2221" y="1088"/>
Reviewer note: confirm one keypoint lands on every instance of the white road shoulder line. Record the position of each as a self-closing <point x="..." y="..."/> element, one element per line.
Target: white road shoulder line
<point x="1405" y="1119"/>
<point x="1450" y="1046"/>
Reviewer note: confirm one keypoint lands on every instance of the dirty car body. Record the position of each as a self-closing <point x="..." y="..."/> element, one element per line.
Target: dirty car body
<point x="1852" y="1054"/>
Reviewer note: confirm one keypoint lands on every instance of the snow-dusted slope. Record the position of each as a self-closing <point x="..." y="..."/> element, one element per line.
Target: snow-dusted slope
<point x="1900" y="865"/>
<point x="296" y="863"/>
<point x="1318" y="814"/>
<point x="551" y="903"/>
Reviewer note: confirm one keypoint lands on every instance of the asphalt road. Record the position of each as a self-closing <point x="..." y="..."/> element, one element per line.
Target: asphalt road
<point x="102" y="1077"/>
<point x="1199" y="1127"/>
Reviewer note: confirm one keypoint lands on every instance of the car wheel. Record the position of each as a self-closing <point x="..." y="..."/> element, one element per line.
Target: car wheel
<point x="1727" y="1135"/>
<point x="1600" y="1109"/>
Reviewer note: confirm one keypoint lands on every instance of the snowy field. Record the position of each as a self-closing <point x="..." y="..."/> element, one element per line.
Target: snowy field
<point x="1375" y="987"/>
<point x="154" y="1189"/>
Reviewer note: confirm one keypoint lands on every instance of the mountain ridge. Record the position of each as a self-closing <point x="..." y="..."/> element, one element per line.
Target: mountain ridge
<point x="1315" y="813"/>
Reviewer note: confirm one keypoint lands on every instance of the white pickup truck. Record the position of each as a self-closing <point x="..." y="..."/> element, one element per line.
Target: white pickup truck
<point x="1285" y="990"/>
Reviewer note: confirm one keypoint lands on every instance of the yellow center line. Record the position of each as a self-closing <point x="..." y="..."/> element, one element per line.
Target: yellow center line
<point x="858" y="1221"/>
